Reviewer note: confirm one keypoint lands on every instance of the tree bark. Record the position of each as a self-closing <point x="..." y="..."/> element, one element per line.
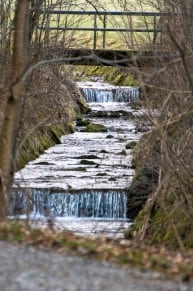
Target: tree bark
<point x="12" y="112"/>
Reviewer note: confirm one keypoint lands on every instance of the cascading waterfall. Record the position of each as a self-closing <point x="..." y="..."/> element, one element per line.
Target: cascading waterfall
<point x="102" y="92"/>
<point x="86" y="176"/>
<point x="92" y="204"/>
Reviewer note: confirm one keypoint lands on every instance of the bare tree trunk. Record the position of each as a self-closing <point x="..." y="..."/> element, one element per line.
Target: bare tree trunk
<point x="12" y="112"/>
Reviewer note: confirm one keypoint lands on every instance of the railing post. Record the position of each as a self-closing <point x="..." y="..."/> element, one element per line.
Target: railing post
<point x="155" y="29"/>
<point x="95" y="31"/>
<point x="104" y="32"/>
<point x="131" y="33"/>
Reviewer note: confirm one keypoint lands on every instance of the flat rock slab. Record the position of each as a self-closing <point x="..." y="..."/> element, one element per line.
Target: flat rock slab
<point x="28" y="269"/>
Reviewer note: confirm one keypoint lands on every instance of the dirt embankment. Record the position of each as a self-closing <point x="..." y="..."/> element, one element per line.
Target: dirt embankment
<point x="51" y="102"/>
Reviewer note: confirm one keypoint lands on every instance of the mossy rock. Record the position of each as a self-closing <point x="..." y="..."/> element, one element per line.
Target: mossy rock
<point x="95" y="127"/>
<point x="112" y="179"/>
<point x="109" y="136"/>
<point x="81" y="169"/>
<point x="100" y="114"/>
<point x="101" y="174"/>
<point x="104" y="152"/>
<point x="87" y="157"/>
<point x="87" y="162"/>
<point x="82" y="122"/>
<point x="115" y="114"/>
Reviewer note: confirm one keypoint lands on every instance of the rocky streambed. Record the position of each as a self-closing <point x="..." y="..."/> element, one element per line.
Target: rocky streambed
<point x="81" y="183"/>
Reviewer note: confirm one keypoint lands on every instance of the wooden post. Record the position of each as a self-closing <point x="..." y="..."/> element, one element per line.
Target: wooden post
<point x="155" y="29"/>
<point x="131" y="32"/>
<point x="104" y="32"/>
<point x="95" y="31"/>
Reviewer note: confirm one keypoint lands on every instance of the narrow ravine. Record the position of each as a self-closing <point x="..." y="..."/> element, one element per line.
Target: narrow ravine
<point x="82" y="183"/>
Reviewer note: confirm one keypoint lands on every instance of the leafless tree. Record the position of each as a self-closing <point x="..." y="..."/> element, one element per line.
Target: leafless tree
<point x="169" y="144"/>
<point x="12" y="110"/>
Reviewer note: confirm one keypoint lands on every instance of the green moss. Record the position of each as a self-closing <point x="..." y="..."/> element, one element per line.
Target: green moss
<point x="169" y="226"/>
<point x="44" y="141"/>
<point x="12" y="232"/>
<point x="137" y="225"/>
<point x="95" y="127"/>
<point x="82" y="122"/>
<point x="123" y="259"/>
<point x="55" y="136"/>
<point x="114" y="75"/>
<point x="119" y="79"/>
<point x="176" y="226"/>
<point x="129" y="80"/>
<point x="71" y="127"/>
<point x="37" y="144"/>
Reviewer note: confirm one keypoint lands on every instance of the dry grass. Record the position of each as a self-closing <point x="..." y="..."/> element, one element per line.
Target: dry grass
<point x="167" y="217"/>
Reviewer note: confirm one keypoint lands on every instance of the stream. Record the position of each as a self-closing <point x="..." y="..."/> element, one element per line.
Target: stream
<point x="81" y="184"/>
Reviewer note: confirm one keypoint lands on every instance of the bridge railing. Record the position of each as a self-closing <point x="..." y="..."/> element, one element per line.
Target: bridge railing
<point x="128" y="22"/>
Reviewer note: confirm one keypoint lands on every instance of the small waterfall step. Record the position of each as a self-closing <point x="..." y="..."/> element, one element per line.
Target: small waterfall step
<point x="82" y="204"/>
<point x="103" y="92"/>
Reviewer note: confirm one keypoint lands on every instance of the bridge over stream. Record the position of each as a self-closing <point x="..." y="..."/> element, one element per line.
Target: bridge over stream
<point x="102" y="37"/>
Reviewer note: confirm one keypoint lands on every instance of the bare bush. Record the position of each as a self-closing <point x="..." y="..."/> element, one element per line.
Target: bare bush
<point x="169" y="210"/>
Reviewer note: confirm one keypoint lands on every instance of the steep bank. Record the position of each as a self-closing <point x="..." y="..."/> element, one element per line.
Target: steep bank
<point x="162" y="188"/>
<point x="51" y="102"/>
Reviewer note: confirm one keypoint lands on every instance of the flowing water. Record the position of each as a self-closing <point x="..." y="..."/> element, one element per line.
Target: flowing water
<point x="103" y="92"/>
<point x="81" y="184"/>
